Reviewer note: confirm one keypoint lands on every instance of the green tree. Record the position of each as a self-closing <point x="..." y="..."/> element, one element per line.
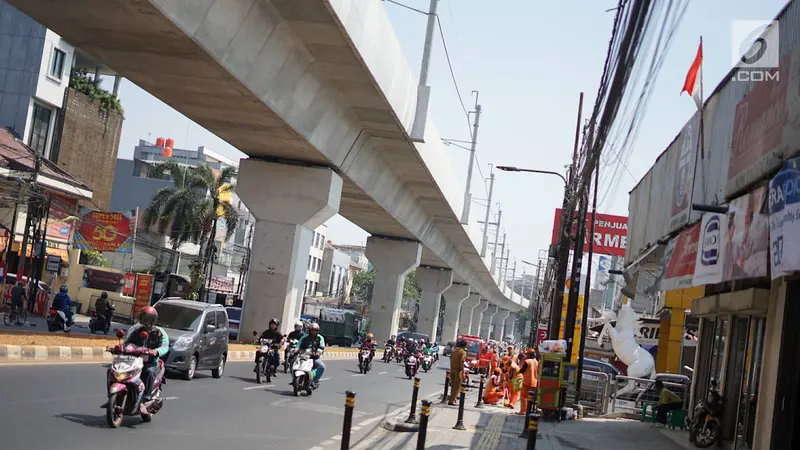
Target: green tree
<point x="189" y="210"/>
<point x="363" y="282"/>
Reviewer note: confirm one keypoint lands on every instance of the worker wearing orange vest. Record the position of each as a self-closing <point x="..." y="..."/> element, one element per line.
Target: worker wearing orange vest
<point x="513" y="383"/>
<point x="530" y="379"/>
<point x="494" y="390"/>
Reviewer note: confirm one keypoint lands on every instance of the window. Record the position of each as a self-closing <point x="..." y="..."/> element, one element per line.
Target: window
<point x="222" y="321"/>
<point x="57" y="63"/>
<point x="310" y="262"/>
<point x="40" y="128"/>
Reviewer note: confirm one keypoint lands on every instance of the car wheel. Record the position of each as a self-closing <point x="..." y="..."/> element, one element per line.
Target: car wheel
<point x="189" y="374"/>
<point x="217" y="373"/>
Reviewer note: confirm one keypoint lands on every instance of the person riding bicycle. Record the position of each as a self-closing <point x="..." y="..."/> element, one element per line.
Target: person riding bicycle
<point x="158" y="343"/>
<point x="368" y="344"/>
<point x="316" y="343"/>
<point x="62" y="302"/>
<point x="277" y="339"/>
<point x="18" y="296"/>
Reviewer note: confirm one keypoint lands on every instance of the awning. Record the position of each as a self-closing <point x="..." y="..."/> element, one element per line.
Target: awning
<point x="749" y="301"/>
<point x="648" y="262"/>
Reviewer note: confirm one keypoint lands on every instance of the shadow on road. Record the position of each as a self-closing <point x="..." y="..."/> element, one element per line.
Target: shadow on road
<point x="85" y="420"/>
<point x="248" y="380"/>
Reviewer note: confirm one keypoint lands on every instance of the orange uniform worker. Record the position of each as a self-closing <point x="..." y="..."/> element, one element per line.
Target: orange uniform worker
<point x="494" y="390"/>
<point x="513" y="383"/>
<point x="530" y="379"/>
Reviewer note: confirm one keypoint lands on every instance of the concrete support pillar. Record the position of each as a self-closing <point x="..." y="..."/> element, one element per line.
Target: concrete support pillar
<point x="392" y="260"/>
<point x="486" y="321"/>
<point x="288" y="202"/>
<point x="455" y="296"/>
<point x="432" y="282"/>
<point x="117" y="79"/>
<point x="465" y="316"/>
<point x="513" y="327"/>
<point x="501" y="324"/>
<point x="477" y="317"/>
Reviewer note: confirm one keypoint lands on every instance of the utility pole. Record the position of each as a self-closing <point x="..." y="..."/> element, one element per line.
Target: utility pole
<point x="502" y="254"/>
<point x="488" y="211"/>
<point x="513" y="278"/>
<point x="423" y="90"/>
<point x="564" y="241"/>
<point x="588" y="290"/>
<point x="496" y="238"/>
<point x="467" y="193"/>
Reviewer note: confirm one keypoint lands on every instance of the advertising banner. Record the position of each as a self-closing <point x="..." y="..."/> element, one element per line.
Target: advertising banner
<point x="784" y="220"/>
<point x="576" y="337"/>
<point x="747" y="237"/>
<point x="105" y="231"/>
<point x="103" y="280"/>
<point x="144" y="287"/>
<point x="711" y="255"/>
<point x="679" y="271"/>
<point x="60" y="209"/>
<point x="686" y="146"/>
<point x="610" y="233"/>
<point x="129" y="286"/>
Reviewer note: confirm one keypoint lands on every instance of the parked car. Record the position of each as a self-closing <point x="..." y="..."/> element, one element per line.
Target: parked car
<point x="234" y="316"/>
<point x="198" y="336"/>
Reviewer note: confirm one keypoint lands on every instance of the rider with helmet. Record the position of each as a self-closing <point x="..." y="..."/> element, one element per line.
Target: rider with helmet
<point x="412" y="349"/>
<point x="158" y="343"/>
<point x="62" y="302"/>
<point x="298" y="331"/>
<point x="314" y="341"/>
<point x="368" y="344"/>
<point x="275" y="335"/>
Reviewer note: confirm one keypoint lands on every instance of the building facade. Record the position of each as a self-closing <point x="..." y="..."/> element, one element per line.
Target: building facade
<point x="315" y="257"/>
<point x="704" y="219"/>
<point x="335" y="276"/>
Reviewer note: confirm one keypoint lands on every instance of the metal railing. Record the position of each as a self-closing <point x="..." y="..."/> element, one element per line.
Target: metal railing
<point x="630" y="399"/>
<point x="595" y="392"/>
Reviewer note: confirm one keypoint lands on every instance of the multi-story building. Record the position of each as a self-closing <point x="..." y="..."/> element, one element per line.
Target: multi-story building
<point x="38" y="106"/>
<point x="315" y="258"/>
<point x="358" y="256"/>
<point x="335" y="276"/>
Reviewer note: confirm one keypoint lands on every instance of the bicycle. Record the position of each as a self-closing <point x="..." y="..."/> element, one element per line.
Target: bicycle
<point x="15" y="315"/>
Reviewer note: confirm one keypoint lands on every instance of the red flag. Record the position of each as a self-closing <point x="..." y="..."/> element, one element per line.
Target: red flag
<point x="691" y="86"/>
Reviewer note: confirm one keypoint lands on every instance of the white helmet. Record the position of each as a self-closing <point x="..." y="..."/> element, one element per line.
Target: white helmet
<point x="298" y="324"/>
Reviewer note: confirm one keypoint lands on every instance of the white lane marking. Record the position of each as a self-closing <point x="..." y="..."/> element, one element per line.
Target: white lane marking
<point x="383" y="373"/>
<point x="326" y="443"/>
<point x="357" y="375"/>
<point x="315" y="448"/>
<point x="356" y="428"/>
<point x="338" y="437"/>
<point x="324" y="379"/>
<point x="260" y="386"/>
<point x="370" y="421"/>
<point x="171" y="398"/>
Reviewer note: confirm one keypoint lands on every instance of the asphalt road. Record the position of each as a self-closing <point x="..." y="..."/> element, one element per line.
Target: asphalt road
<point x="46" y="406"/>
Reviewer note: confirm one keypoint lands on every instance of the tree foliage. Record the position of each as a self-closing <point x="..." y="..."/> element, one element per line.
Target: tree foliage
<point x="363" y="282"/>
<point x="80" y="81"/>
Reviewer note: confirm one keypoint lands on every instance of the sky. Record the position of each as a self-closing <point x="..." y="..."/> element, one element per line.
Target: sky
<point x="529" y="61"/>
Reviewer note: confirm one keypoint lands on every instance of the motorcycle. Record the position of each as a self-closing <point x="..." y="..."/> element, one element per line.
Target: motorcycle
<point x="426" y="362"/>
<point x="125" y="386"/>
<point x="400" y="355"/>
<point x="365" y="360"/>
<point x="412" y="366"/>
<point x="289" y="354"/>
<point x="101" y="321"/>
<point x="57" y="321"/>
<point x="263" y="368"/>
<point x="388" y="353"/>
<point x="435" y="350"/>
<point x="705" y="429"/>
<point x="465" y="379"/>
<point x="303" y="373"/>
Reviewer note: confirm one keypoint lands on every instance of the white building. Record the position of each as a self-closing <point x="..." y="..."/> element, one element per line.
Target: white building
<point x="315" y="257"/>
<point x="335" y="276"/>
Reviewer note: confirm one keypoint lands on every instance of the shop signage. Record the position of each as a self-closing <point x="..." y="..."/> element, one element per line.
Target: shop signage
<point x="103" y="280"/>
<point x="60" y="209"/>
<point x="129" y="284"/>
<point x="105" y="231"/>
<point x="143" y="290"/>
<point x="221" y="284"/>
<point x="712" y="252"/>
<point x="784" y="220"/>
<point x="683" y="176"/>
<point x="53" y="263"/>
<point x="679" y="269"/>
<point x="747" y="236"/>
<point x="610" y="233"/>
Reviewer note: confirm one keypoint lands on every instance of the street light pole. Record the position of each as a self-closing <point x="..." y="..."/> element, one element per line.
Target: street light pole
<point x="488" y="211"/>
<point x="496" y="238"/>
<point x="423" y="90"/>
<point x="467" y="192"/>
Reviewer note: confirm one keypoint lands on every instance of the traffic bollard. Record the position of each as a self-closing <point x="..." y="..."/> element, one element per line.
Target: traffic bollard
<point x="533" y="430"/>
<point x="446" y="386"/>
<point x="461" y="400"/>
<point x="480" y="393"/>
<point x="412" y="415"/>
<point x="349" y="404"/>
<point x="423" y="424"/>
<point x="528" y="411"/>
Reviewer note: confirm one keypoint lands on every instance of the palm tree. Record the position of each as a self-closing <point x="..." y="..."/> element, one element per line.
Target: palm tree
<point x="189" y="210"/>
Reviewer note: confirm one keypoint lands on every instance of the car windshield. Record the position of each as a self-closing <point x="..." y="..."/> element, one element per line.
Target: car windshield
<point x="234" y="314"/>
<point x="473" y="348"/>
<point x="178" y="317"/>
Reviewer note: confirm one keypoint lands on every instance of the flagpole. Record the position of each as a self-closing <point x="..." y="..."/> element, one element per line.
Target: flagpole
<point x="701" y="138"/>
<point x="702" y="110"/>
<point x="135" y="229"/>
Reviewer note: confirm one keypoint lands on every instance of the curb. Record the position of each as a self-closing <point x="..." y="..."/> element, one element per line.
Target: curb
<point x="31" y="353"/>
<point x="400" y="425"/>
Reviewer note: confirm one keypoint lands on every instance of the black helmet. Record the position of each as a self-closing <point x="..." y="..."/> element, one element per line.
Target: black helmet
<point x="104" y="295"/>
<point x="275" y="321"/>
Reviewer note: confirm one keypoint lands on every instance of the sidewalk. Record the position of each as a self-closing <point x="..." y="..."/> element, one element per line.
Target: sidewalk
<point x="491" y="428"/>
<point x="39" y="324"/>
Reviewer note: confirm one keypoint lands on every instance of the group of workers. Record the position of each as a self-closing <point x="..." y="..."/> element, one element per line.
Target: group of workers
<point x="511" y="375"/>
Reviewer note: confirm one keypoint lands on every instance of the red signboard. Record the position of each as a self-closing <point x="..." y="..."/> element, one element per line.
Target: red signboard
<point x="60" y="209"/>
<point x="679" y="272"/>
<point x="144" y="287"/>
<point x="610" y="233"/>
<point x="129" y="286"/>
<point x="105" y="232"/>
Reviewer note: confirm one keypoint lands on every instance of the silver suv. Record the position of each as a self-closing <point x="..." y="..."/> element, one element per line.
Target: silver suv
<point x="198" y="336"/>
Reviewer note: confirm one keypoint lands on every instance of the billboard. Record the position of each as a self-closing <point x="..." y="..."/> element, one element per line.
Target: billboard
<point x="711" y="255"/>
<point x="105" y="231"/>
<point x="576" y="337"/>
<point x="784" y="226"/>
<point x="747" y="237"/>
<point x="610" y="233"/>
<point x="142" y="291"/>
<point x="679" y="270"/>
<point x="687" y="146"/>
